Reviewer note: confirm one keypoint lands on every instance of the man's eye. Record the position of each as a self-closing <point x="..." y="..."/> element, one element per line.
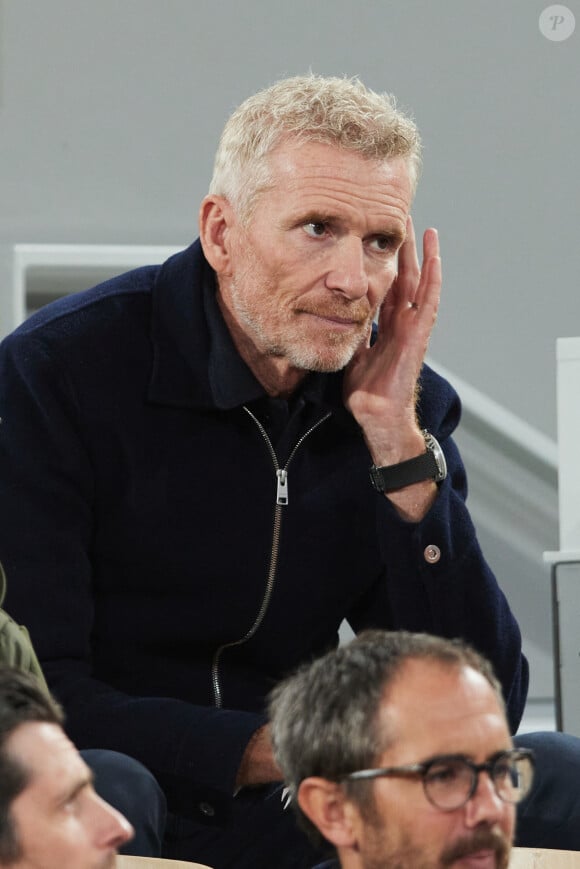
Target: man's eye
<point x="503" y="769"/>
<point x="315" y="229"/>
<point x="382" y="243"/>
<point x="443" y="774"/>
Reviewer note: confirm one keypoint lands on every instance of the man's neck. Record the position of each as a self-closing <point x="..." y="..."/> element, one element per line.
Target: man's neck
<point x="275" y="373"/>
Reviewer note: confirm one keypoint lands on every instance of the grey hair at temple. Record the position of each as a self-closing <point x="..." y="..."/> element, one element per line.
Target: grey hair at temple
<point x="325" y="717"/>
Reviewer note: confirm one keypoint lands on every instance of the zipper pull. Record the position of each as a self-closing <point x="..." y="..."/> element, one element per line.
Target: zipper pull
<point x="282" y="488"/>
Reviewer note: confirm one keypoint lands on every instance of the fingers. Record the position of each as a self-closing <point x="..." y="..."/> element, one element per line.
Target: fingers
<point x="429" y="286"/>
<point x="431" y="242"/>
<point x="415" y="284"/>
<point x="415" y="288"/>
<point x="408" y="274"/>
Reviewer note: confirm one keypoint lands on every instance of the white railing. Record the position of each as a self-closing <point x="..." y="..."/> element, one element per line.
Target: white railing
<point x="483" y="413"/>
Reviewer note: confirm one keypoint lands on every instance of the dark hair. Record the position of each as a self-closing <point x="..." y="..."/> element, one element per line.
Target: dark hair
<point x="325" y="717"/>
<point x="21" y="700"/>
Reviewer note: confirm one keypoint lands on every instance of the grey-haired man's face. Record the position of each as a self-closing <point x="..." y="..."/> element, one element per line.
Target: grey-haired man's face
<point x="433" y="710"/>
<point x="318" y="256"/>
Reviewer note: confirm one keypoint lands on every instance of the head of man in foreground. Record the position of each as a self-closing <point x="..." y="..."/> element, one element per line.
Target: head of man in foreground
<point x="50" y="815"/>
<point x="397" y="751"/>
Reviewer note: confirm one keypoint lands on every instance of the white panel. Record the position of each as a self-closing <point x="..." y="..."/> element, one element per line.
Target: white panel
<point x="34" y="274"/>
<point x="568" y="354"/>
<point x="568" y="592"/>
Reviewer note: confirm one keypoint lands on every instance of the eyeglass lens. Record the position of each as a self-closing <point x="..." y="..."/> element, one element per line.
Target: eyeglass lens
<point x="450" y="783"/>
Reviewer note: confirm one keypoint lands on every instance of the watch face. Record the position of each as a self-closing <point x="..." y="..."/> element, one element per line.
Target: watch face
<point x="438" y="454"/>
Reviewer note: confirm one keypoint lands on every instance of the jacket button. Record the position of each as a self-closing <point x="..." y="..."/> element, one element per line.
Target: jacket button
<point x="207" y="810"/>
<point x="432" y="554"/>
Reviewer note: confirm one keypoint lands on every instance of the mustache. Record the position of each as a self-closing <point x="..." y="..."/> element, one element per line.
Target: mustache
<point x="359" y="312"/>
<point x="485" y="839"/>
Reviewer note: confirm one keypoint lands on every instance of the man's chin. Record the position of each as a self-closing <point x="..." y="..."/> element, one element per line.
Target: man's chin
<point x="324" y="360"/>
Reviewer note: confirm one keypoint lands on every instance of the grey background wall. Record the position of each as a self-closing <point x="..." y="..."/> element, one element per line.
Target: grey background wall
<point x="110" y="113"/>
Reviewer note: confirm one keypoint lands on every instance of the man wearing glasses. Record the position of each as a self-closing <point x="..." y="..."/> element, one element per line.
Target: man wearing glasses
<point x="396" y="751"/>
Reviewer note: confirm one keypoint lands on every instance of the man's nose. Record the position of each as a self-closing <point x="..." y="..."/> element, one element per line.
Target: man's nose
<point x="347" y="272"/>
<point x="485" y="805"/>
<point x="113" y="828"/>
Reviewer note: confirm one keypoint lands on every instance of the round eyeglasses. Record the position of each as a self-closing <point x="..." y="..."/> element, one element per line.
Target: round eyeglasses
<point x="449" y="781"/>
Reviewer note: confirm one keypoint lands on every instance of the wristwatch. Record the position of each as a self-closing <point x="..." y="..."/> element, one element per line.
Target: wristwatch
<point x="431" y="465"/>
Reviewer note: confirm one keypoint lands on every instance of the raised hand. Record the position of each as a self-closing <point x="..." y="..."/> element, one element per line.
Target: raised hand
<point x="381" y="381"/>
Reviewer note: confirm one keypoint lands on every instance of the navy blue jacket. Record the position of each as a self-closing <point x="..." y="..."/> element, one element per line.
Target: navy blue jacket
<point x="138" y="519"/>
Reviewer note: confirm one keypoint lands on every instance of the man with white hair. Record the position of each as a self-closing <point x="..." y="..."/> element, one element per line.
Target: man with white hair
<point x="207" y="465"/>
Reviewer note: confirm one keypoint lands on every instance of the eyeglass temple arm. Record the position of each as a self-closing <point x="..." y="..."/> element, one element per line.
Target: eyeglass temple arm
<point x="403" y="771"/>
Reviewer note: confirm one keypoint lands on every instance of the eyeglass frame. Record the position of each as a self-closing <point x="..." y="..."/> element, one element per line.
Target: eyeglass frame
<point x="420" y="770"/>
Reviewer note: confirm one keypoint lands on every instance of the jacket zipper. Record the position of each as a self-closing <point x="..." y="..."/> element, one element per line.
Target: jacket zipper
<point x="281" y="501"/>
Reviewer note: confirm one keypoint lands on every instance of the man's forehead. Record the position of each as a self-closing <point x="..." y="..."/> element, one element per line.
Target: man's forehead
<point x="44" y="750"/>
<point x="434" y="708"/>
<point x="318" y="180"/>
<point x="439" y="675"/>
<point x="292" y="158"/>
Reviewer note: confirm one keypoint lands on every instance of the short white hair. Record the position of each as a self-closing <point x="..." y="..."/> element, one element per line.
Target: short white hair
<point x="336" y="111"/>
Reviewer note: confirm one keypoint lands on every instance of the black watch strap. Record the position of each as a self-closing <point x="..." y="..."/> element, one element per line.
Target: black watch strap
<point x="428" y="466"/>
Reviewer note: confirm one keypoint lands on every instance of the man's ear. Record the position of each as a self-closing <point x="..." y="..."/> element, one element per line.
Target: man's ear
<point x="325" y="804"/>
<point x="216" y="218"/>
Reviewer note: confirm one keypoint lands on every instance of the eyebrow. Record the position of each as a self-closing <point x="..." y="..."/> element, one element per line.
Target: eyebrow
<point x="395" y="233"/>
<point x="458" y="756"/>
<point x="72" y="792"/>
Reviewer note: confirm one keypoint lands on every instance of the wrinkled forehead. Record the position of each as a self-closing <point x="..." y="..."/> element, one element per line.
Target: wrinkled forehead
<point x="332" y="183"/>
<point x="293" y="154"/>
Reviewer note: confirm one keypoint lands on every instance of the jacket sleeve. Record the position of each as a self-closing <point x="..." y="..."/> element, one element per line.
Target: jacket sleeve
<point x="46" y="532"/>
<point x="435" y="577"/>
